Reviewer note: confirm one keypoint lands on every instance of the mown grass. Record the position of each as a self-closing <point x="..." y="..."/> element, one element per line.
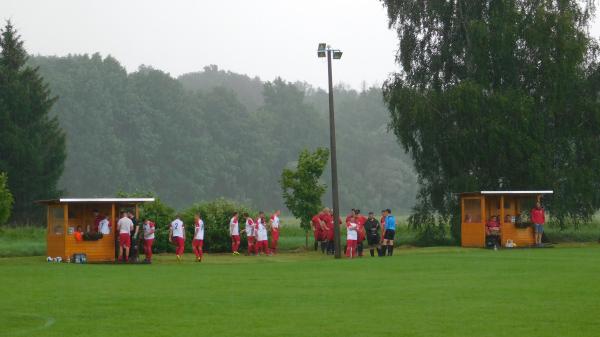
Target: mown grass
<point x="447" y="291"/>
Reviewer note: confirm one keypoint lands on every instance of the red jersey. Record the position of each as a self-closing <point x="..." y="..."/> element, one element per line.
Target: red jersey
<point x="97" y="222"/>
<point x="316" y="221"/>
<point x="538" y="216"/>
<point x="328" y="219"/>
<point x="360" y="221"/>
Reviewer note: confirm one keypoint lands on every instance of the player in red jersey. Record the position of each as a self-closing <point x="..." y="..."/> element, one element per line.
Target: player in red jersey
<point x="250" y="230"/>
<point x="274" y="228"/>
<point x="317" y="225"/>
<point x="360" y="221"/>
<point x="328" y="230"/>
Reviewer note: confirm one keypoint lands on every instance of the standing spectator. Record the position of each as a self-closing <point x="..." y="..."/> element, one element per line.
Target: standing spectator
<point x="250" y="230"/>
<point x="198" y="241"/>
<point x="97" y="218"/>
<point x="351" y="236"/>
<point x="104" y="225"/>
<point x="262" y="239"/>
<point x="149" y="228"/>
<point x="538" y="218"/>
<point x="372" y="229"/>
<point x="274" y="227"/>
<point x="124" y="227"/>
<point x="234" y="231"/>
<point x="177" y="236"/>
<point x="389" y="232"/>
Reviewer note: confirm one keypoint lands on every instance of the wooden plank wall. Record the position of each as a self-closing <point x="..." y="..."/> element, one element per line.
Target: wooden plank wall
<point x="96" y="251"/>
<point x="55" y="235"/>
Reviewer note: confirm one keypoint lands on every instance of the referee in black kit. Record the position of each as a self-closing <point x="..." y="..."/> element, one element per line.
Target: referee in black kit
<point x="373" y="228"/>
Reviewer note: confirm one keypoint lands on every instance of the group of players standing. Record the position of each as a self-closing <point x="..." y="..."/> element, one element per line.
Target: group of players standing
<point x="257" y="233"/>
<point x="379" y="235"/>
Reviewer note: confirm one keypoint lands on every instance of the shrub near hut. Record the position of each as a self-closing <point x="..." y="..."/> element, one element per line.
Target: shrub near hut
<point x="216" y="215"/>
<point x="162" y="215"/>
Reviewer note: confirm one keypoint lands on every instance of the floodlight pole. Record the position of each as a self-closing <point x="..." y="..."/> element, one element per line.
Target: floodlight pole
<point x="334" y="178"/>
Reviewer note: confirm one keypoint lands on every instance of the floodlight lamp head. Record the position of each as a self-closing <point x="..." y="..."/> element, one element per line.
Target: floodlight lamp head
<point x="321" y="50"/>
<point x="337" y="54"/>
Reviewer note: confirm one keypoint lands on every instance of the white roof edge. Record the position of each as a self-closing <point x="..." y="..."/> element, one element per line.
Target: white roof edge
<point x="518" y="192"/>
<point x="106" y="199"/>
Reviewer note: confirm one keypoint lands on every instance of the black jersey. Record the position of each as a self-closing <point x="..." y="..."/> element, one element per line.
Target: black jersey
<point x="372" y="227"/>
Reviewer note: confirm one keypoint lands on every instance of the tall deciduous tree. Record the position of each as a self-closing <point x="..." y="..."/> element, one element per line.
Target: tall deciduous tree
<point x="497" y="94"/>
<point x="302" y="190"/>
<point x="32" y="145"/>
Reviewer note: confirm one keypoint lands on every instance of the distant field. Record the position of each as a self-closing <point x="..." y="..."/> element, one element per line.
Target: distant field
<point x="30" y="241"/>
<point x="418" y="292"/>
<point x="22" y="241"/>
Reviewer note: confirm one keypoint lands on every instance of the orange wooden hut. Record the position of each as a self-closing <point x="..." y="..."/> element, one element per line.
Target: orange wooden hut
<point x="508" y="206"/>
<point x="65" y="215"/>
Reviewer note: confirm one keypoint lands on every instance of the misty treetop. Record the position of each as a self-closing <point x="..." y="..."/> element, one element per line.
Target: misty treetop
<point x="215" y="134"/>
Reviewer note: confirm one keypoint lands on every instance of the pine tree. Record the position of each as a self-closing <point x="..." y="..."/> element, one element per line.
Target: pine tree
<point x="32" y="145"/>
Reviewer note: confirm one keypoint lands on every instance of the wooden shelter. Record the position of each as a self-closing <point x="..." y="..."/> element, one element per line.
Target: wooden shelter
<point x="508" y="206"/>
<point x="67" y="214"/>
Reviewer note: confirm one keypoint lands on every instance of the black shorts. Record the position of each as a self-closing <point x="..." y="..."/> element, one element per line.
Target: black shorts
<point x="373" y="240"/>
<point x="389" y="234"/>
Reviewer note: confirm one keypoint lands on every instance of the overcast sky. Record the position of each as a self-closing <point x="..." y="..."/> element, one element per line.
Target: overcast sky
<point x="265" y="38"/>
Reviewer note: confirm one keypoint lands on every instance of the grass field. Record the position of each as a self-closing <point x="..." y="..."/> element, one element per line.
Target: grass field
<point x="418" y="292"/>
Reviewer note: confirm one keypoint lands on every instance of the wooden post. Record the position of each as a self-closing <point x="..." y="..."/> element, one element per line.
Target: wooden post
<point x="114" y="230"/>
<point x="502" y="231"/>
<point x="112" y="218"/>
<point x="483" y="217"/>
<point x="137" y="213"/>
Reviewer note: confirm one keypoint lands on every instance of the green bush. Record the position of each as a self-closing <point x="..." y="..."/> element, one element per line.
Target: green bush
<point x="216" y="215"/>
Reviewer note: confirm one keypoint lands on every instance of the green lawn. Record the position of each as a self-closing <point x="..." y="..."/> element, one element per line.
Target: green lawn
<point x="418" y="292"/>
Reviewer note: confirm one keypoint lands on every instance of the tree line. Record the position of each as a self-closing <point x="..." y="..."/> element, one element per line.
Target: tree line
<point x="497" y="95"/>
<point x="214" y="134"/>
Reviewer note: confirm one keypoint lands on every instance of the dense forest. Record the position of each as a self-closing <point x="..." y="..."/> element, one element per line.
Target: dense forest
<point x="215" y="133"/>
